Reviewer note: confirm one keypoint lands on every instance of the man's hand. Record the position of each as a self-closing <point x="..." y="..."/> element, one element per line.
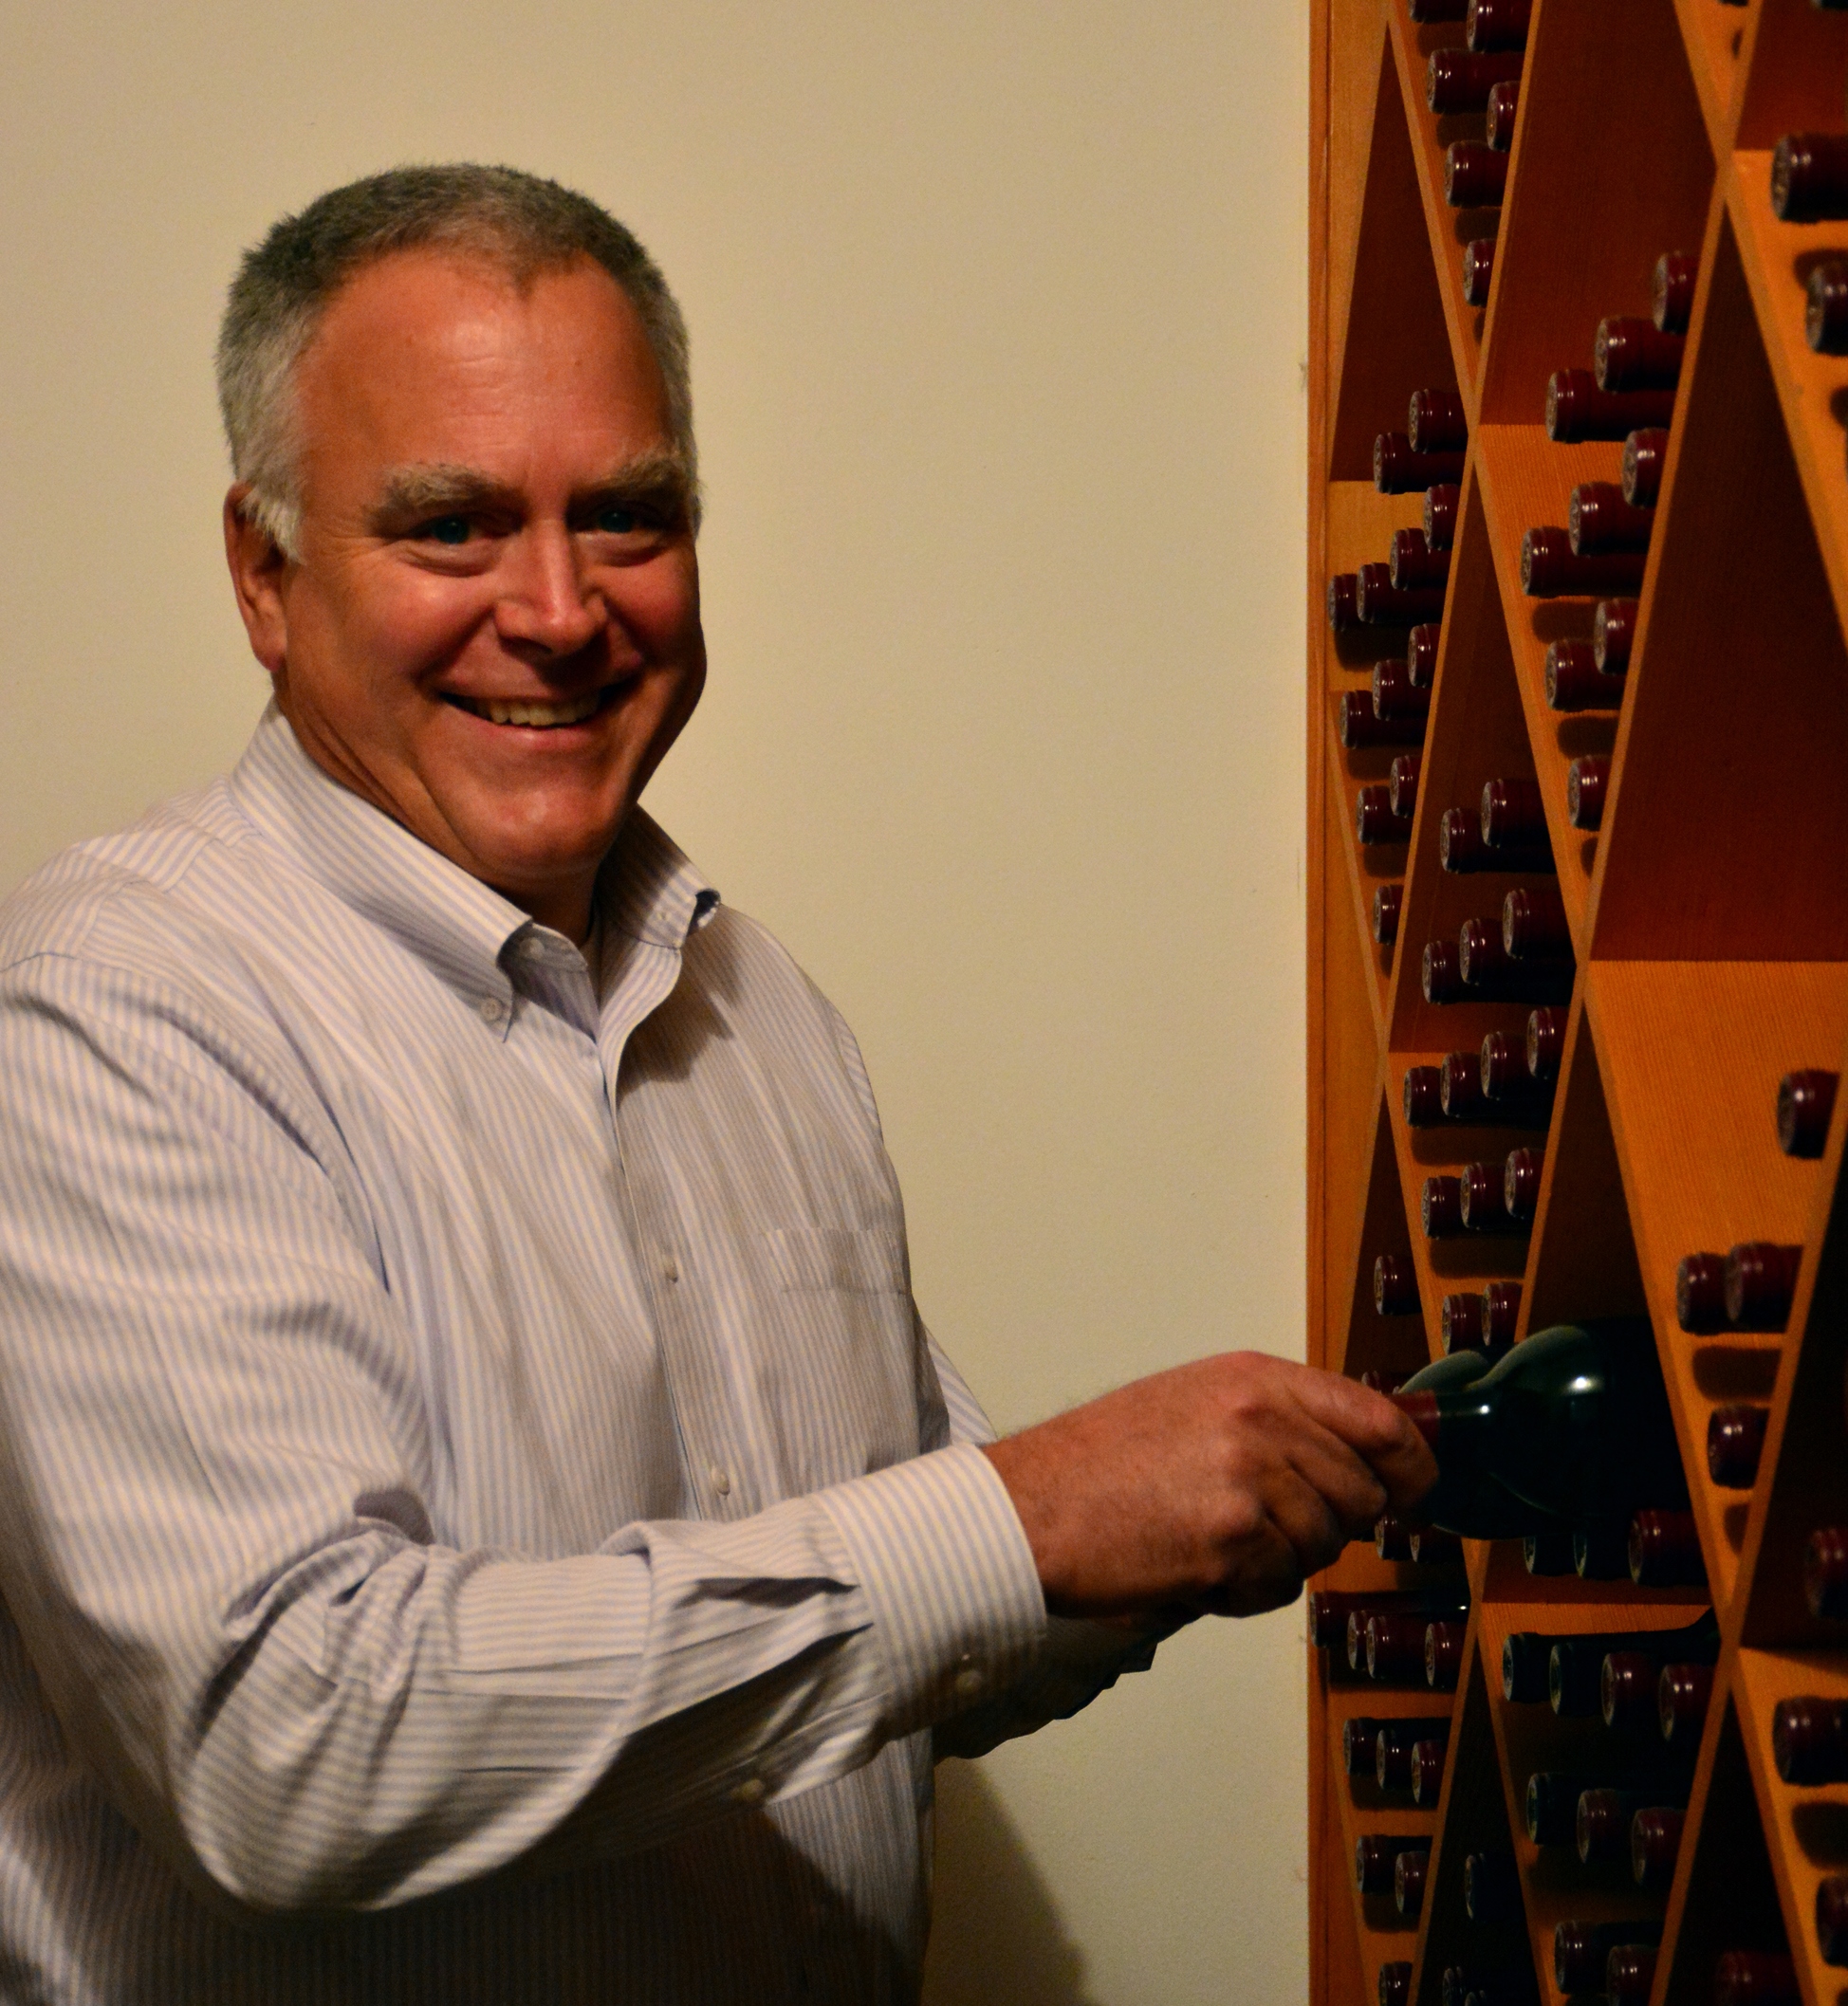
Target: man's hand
<point x="1216" y="1488"/>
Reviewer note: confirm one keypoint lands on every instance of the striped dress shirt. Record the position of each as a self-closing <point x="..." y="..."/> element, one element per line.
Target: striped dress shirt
<point x="480" y="1516"/>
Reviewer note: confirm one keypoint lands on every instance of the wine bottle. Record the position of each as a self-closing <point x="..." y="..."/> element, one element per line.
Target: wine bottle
<point x="1387" y="901"/>
<point x="1806" y="1102"/>
<point x="1629" y="1673"/>
<point x="1700" y="1292"/>
<point x="1644" y="454"/>
<point x="1577" y="409"/>
<point x="1575" y="682"/>
<point x="1504" y="101"/>
<point x="1599" y="518"/>
<point x="1395" y="1987"/>
<point x="1606" y="1819"/>
<point x="1436" y="421"/>
<point x="1494" y="1511"/>
<point x="1431" y="1547"/>
<point x="1581" y="1949"/>
<point x="1392" y="1538"/>
<point x="1521" y="1174"/>
<point x="1427" y="1770"/>
<point x="1735" y="1441"/>
<point x="1550" y="570"/>
<point x="1574" y="1423"/>
<point x="1441" y="505"/>
<point x="1664" y="1548"/>
<point x="1629" y="354"/>
<point x="1411" y="562"/>
<point x="1443" y="1649"/>
<point x="1809" y="177"/>
<point x="1380" y="603"/>
<point x="1330" y="1608"/>
<point x="1456" y="80"/>
<point x="1493" y="25"/>
<point x="1682" y="1692"/>
<point x="1488" y="971"/>
<point x="1512" y="1093"/>
<point x="1655" y="1840"/>
<point x="1396" y="1649"/>
<point x="1671" y="291"/>
<point x="1545" y="1044"/>
<point x="1387" y="1754"/>
<point x="1421" y="655"/>
<point x="1534" y="925"/>
<point x="1440" y="1209"/>
<point x="1613" y="628"/>
<point x="1398" y="469"/>
<point x="1475" y="176"/>
<point x="1832" y="1918"/>
<point x="1374" y="1855"/>
<point x="1825" y="1574"/>
<point x="1754" y="1977"/>
<point x="1377" y="1381"/>
<point x="1491" y="1887"/>
<point x="1402" y="784"/>
<point x="1478" y="269"/>
<point x="1409" y="1882"/>
<point x="1482" y="1322"/>
<point x="1809" y="1740"/>
<point x="1359" y="725"/>
<point x="1600" y="1550"/>
<point x="1395" y="1286"/>
<point x="1514" y="815"/>
<point x="1550" y="1806"/>
<point x="1574" y="1667"/>
<point x="1342" y="614"/>
<point x="1359" y="1734"/>
<point x="1374" y="820"/>
<point x="1483" y="1200"/>
<point x="1423" y="1096"/>
<point x="1461" y="849"/>
<point x="1826" y="311"/>
<point x="1587" y="782"/>
<point x="1395" y="700"/>
<point x="1761" y="1284"/>
<point x="1459" y="1087"/>
<point x="1549" y="1553"/>
<point x="1629" y="1973"/>
<point x="1525" y="1656"/>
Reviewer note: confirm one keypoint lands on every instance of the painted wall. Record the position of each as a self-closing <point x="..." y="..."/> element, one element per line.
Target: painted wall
<point x="998" y="316"/>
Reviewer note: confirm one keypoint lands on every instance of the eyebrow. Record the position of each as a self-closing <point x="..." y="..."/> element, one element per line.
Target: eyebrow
<point x="424" y="489"/>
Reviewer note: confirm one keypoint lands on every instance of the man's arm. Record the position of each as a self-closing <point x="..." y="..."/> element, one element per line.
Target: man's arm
<point x="216" y="1520"/>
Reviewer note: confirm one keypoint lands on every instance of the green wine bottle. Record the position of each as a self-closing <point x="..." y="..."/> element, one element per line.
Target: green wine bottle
<point x="1492" y="1511"/>
<point x="1571" y="1424"/>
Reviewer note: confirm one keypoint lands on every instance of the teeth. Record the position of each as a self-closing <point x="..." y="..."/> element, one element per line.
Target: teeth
<point x="544" y="716"/>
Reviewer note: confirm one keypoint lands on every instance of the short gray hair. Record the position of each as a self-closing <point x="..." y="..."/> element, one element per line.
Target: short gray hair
<point x="520" y="221"/>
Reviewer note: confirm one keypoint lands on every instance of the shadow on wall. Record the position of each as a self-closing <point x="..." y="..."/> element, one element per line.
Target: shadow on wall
<point x="996" y="1936"/>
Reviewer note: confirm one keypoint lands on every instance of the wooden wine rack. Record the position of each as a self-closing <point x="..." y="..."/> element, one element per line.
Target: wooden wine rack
<point x="1709" y="915"/>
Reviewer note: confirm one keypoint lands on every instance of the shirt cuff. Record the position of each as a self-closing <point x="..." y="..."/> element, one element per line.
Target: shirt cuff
<point x="938" y="1551"/>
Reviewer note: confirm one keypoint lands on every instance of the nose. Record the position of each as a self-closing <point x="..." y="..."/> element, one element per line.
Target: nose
<point x="544" y="610"/>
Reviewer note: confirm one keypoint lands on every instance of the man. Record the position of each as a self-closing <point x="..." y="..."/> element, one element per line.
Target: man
<point x="480" y="1518"/>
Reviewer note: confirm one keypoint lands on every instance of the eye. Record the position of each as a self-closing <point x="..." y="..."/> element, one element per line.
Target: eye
<point x="446" y="529"/>
<point x="617" y="519"/>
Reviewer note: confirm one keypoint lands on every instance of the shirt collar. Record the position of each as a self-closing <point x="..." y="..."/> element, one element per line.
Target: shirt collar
<point x="452" y="922"/>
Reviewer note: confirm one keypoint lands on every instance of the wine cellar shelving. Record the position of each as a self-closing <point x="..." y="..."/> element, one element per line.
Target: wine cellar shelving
<point x="1705" y="915"/>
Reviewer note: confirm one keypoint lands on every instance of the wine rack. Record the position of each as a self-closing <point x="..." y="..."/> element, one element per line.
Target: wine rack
<point x="1707" y="912"/>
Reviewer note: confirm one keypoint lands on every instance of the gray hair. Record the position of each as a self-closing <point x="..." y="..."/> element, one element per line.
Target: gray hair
<point x="520" y="221"/>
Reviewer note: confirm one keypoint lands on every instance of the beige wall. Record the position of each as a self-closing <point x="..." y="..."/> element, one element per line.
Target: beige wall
<point x="998" y="312"/>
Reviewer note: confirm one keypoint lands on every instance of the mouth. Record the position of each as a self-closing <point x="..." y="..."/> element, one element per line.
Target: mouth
<point x="534" y="715"/>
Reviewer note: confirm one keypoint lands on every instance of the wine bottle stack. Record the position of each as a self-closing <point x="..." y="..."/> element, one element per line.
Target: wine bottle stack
<point x="1561" y="1774"/>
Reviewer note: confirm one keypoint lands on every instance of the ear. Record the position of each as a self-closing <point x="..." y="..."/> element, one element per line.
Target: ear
<point x="258" y="569"/>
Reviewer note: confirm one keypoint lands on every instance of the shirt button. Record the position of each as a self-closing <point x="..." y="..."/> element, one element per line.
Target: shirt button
<point x="722" y="1482"/>
<point x="533" y="948"/>
<point x="670" y="1269"/>
<point x="967" y="1683"/>
<point x="751" y="1791"/>
<point x="493" y="1010"/>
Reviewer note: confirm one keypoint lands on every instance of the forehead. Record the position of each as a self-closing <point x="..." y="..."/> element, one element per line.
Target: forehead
<point x="431" y="355"/>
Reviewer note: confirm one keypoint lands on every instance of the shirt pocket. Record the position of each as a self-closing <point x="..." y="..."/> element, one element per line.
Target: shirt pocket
<point x="838" y="1260"/>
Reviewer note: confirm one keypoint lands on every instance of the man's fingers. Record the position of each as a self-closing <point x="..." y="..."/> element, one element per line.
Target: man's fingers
<point x="1377" y="1430"/>
<point x="1302" y="1514"/>
<point x="1355" y="1494"/>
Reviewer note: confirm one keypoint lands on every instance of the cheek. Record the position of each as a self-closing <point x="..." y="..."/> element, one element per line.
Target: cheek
<point x="657" y="603"/>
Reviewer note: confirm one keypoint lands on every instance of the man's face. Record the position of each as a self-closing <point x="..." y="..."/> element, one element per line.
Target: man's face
<point x="493" y="629"/>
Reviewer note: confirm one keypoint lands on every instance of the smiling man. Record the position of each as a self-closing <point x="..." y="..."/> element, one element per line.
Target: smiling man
<point x="480" y="1516"/>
